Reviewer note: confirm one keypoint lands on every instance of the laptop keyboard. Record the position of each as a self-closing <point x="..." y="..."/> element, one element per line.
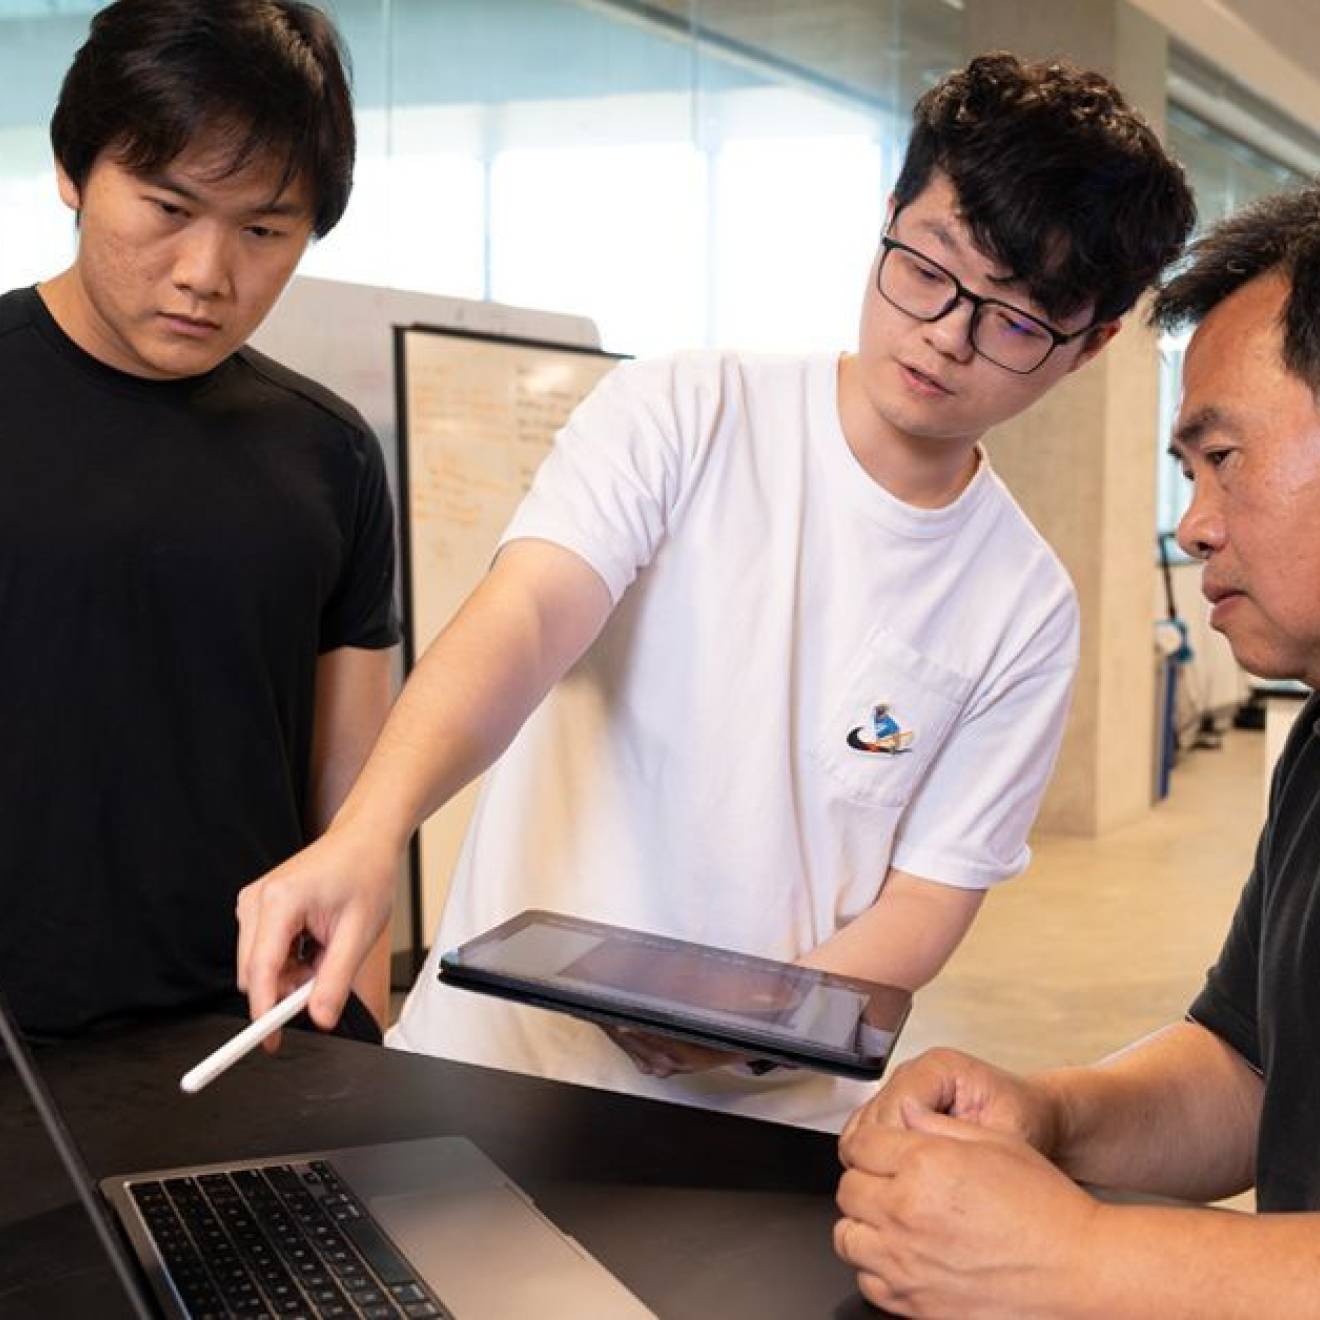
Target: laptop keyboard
<point x="286" y="1240"/>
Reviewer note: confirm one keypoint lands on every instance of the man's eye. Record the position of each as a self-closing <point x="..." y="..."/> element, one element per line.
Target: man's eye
<point x="261" y="231"/>
<point x="168" y="208"/>
<point x="1021" y="327"/>
<point x="917" y="268"/>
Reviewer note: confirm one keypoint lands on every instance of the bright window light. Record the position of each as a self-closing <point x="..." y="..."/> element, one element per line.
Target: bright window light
<point x="613" y="232"/>
<point x="796" y="225"/>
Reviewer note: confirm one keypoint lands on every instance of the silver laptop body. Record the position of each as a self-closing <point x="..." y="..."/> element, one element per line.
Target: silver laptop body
<point x="453" y="1235"/>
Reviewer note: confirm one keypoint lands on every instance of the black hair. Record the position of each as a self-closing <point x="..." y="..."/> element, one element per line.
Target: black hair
<point x="1056" y="177"/>
<point x="1276" y="234"/>
<point x="268" y="77"/>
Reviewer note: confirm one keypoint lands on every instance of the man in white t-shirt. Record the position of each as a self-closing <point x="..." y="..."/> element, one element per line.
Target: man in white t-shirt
<point x="807" y="661"/>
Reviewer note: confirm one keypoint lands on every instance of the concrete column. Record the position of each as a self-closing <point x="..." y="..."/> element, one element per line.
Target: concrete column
<point x="1082" y="461"/>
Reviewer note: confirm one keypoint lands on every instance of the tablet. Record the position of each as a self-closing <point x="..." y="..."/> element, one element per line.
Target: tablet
<point x="773" y="1011"/>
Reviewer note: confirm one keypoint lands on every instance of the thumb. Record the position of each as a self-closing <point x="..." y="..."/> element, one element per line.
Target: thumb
<point x="921" y="1118"/>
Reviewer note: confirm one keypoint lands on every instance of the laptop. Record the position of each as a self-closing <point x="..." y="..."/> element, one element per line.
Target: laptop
<point x="424" y="1229"/>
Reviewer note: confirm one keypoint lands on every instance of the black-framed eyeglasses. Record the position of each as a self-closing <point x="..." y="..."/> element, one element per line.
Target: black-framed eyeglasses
<point x="1000" y="333"/>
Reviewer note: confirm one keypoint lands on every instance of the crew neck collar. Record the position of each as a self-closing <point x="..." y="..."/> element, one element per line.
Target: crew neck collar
<point x="875" y="500"/>
<point x="123" y="381"/>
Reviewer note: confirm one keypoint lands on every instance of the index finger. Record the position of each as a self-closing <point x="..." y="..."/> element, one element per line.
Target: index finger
<point x="884" y="1109"/>
<point x="874" y="1148"/>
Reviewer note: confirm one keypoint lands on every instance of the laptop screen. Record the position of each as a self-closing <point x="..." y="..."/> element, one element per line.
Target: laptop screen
<point x="72" y="1159"/>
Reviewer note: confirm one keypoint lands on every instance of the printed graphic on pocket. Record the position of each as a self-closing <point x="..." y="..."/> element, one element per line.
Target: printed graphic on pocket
<point x="880" y="733"/>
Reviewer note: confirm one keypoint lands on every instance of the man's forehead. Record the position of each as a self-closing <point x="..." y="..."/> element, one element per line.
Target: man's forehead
<point x="1234" y="377"/>
<point x="935" y="218"/>
<point x="936" y="214"/>
<point x="221" y="163"/>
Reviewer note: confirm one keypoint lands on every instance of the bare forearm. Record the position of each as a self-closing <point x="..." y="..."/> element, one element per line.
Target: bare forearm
<point x="905" y="937"/>
<point x="475" y="686"/>
<point x="436" y="739"/>
<point x="1176" y="1113"/>
<point x="1173" y="1264"/>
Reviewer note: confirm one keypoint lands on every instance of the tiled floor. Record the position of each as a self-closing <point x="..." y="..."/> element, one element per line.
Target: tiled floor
<point x="1103" y="940"/>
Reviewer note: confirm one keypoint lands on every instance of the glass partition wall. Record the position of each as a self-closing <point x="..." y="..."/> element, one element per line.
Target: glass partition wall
<point x="686" y="172"/>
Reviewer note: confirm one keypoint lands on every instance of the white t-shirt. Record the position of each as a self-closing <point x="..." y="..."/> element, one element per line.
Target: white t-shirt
<point x="692" y="775"/>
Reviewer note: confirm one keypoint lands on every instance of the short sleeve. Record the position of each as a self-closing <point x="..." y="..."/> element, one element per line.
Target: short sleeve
<point x="1227" y="1002"/>
<point x="968" y="821"/>
<point x="361" y="609"/>
<point x="610" y="486"/>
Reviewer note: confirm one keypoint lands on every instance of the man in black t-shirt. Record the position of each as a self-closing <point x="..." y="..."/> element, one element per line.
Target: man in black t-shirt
<point x="955" y="1199"/>
<point x="196" y="545"/>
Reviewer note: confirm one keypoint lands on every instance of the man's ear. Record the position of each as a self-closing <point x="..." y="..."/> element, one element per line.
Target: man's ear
<point x="1096" y="339"/>
<point x="70" y="193"/>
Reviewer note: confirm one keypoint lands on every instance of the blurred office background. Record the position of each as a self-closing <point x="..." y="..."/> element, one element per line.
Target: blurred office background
<point x="714" y="172"/>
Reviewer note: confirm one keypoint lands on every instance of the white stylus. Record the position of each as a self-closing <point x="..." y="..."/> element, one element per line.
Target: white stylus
<point x="248" y="1039"/>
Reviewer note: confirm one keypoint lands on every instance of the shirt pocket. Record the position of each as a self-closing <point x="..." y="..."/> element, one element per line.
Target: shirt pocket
<point x="923" y="698"/>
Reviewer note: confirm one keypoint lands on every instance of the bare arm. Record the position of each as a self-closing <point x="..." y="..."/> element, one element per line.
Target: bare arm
<point x="1176" y="1113"/>
<point x="352" y="700"/>
<point x="532" y="616"/>
<point x="1167" y="1264"/>
<point x="905" y="936"/>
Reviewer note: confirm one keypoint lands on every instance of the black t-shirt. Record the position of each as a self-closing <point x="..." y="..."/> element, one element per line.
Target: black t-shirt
<point x="1263" y="995"/>
<point x="174" y="557"/>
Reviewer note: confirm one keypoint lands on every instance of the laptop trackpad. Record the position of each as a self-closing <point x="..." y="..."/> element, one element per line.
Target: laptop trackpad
<point x="488" y="1253"/>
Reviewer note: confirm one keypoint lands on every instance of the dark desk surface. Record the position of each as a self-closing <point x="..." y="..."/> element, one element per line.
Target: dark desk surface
<point x="700" y="1214"/>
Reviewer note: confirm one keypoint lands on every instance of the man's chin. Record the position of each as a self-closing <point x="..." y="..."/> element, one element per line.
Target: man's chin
<point x="175" y="364"/>
<point x="1259" y="661"/>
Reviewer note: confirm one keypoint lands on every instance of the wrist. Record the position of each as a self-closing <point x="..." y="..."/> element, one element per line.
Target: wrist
<point x="1087" y="1270"/>
<point x="1055" y="1120"/>
<point x="376" y="840"/>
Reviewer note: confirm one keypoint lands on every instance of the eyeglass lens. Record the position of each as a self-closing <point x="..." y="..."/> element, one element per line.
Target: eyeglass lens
<point x="999" y="333"/>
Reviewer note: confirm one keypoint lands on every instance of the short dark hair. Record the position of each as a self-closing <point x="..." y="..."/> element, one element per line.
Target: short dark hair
<point x="1278" y="234"/>
<point x="1056" y="177"/>
<point x="268" y="76"/>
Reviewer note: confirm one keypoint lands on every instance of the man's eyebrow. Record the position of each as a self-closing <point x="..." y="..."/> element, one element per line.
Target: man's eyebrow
<point x="274" y="207"/>
<point x="1011" y="280"/>
<point x="1192" y="430"/>
<point x="945" y="237"/>
<point x="170" y="184"/>
<point x="940" y="232"/>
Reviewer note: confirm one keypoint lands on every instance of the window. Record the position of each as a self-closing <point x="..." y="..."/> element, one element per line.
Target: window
<point x="685" y="172"/>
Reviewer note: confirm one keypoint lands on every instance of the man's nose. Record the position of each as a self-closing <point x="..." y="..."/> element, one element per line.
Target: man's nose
<point x="201" y="266"/>
<point x="951" y="332"/>
<point x="1201" y="528"/>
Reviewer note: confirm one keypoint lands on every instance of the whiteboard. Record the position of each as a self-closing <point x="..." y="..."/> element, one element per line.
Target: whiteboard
<point x="341" y="335"/>
<point x="477" y="414"/>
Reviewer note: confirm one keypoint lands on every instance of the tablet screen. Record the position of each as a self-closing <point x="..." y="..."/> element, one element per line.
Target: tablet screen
<point x="732" y="996"/>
